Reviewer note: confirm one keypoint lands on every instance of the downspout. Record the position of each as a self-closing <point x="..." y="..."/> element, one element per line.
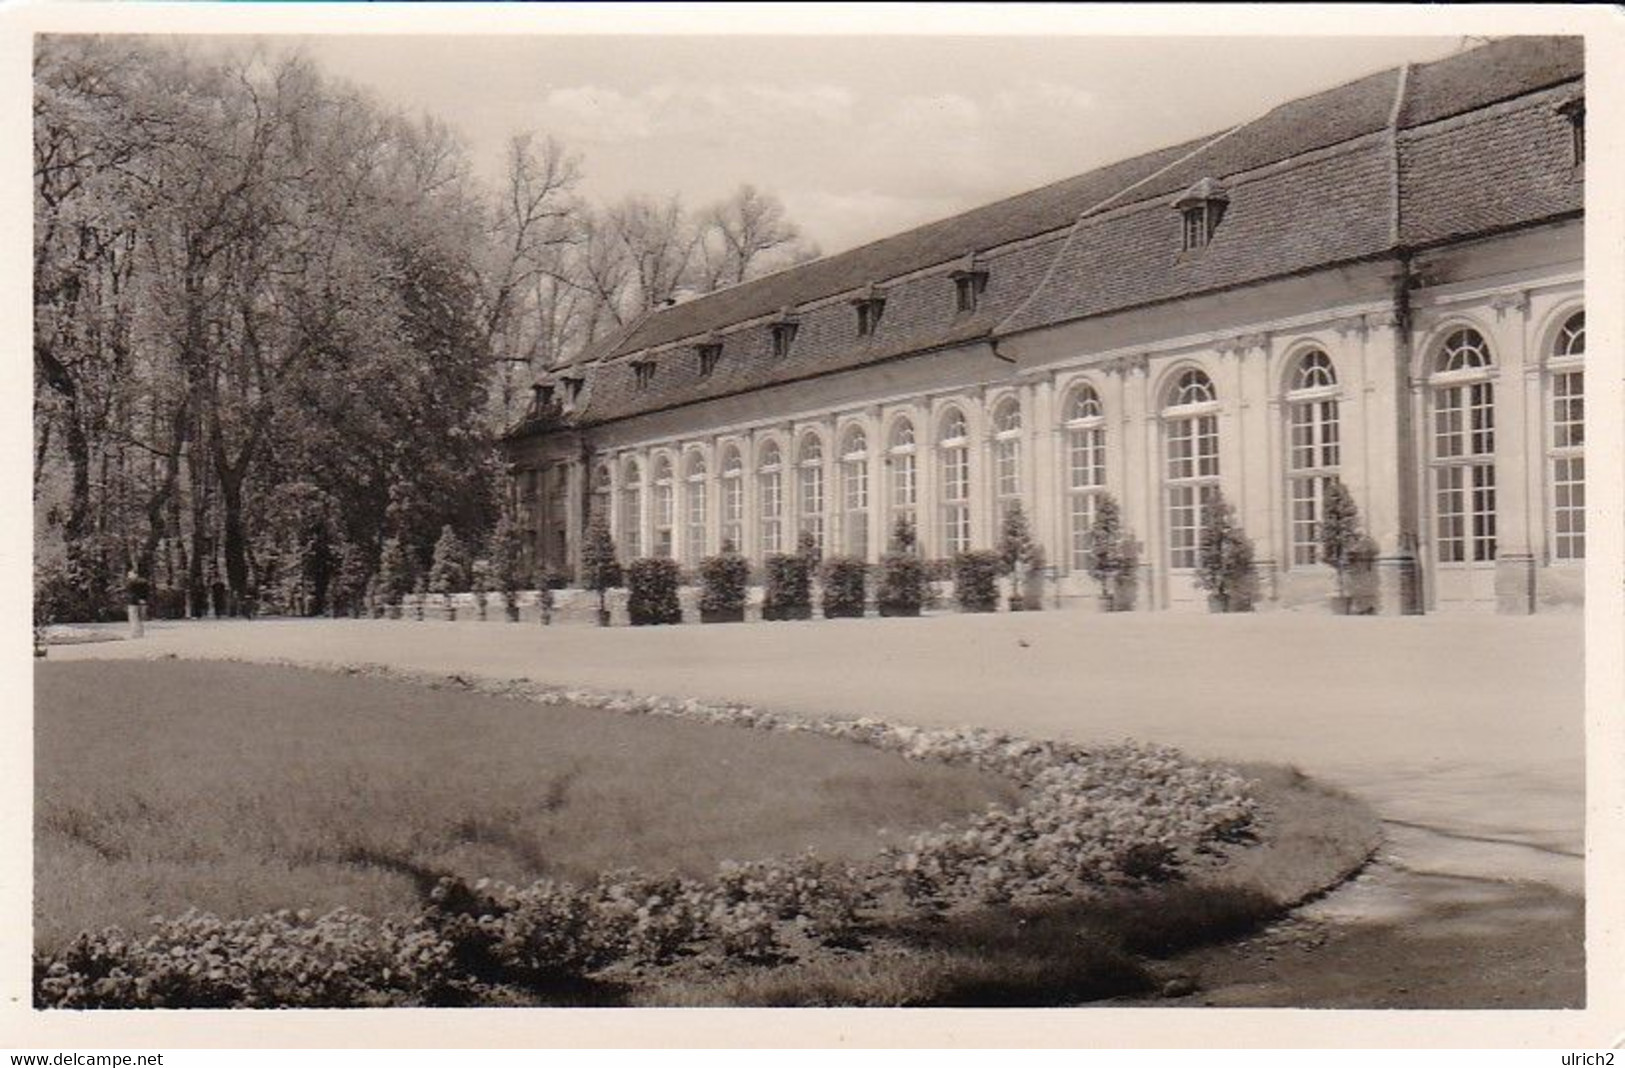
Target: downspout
<point x="1409" y="476"/>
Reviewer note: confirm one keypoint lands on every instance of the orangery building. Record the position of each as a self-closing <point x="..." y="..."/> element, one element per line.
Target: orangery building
<point x="1381" y="283"/>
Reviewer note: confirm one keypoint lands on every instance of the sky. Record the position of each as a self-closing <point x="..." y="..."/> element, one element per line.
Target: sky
<point x="860" y="136"/>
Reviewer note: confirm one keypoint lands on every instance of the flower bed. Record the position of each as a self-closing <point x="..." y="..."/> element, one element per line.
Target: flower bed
<point x="1092" y="818"/>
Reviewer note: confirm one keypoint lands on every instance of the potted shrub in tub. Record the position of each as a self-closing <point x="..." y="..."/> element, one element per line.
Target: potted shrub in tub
<point x="723" y="580"/>
<point x="1021" y="560"/>
<point x="844" y="581"/>
<point x="1342" y="545"/>
<point x="600" y="570"/>
<point x="651" y="591"/>
<point x="448" y="571"/>
<point x="976" y="580"/>
<point x="1224" y="559"/>
<point x="1112" y="556"/>
<point x="394" y="576"/>
<point x="508" y="564"/>
<point x="902" y="573"/>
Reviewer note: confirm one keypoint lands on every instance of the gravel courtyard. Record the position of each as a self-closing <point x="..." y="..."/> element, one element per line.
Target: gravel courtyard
<point x="1465" y="733"/>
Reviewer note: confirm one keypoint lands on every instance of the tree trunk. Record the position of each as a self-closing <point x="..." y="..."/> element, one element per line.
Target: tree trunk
<point x="236" y="543"/>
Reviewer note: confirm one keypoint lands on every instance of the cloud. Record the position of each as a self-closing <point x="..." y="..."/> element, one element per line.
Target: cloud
<point x="716" y="110"/>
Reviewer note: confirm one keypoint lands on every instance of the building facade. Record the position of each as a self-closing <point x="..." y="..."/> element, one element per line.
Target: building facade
<point x="1381" y="283"/>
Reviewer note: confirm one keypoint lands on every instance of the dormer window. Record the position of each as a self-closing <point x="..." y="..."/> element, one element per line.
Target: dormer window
<point x="784" y="335"/>
<point x="870" y="305"/>
<point x="1574" y="109"/>
<point x="542" y="394"/>
<point x="709" y="352"/>
<point x="644" y="372"/>
<point x="1201" y="208"/>
<point x="969" y="282"/>
<point x="572" y="388"/>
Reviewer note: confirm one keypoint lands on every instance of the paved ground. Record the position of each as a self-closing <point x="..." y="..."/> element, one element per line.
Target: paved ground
<point x="1464" y="732"/>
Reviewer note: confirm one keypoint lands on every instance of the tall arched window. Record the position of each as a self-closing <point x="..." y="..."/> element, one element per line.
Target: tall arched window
<point x="1191" y="436"/>
<point x="953" y="447"/>
<point x="1313" y="450"/>
<point x="598" y="506"/>
<point x="903" y="492"/>
<point x="1006" y="457"/>
<point x="1085" y="467"/>
<point x="1566" y="374"/>
<point x="770" y="498"/>
<point x="855" y="491"/>
<point x="632" y="510"/>
<point x="1464" y="450"/>
<point x="664" y="507"/>
<point x="733" y="499"/>
<point x="810" y="488"/>
<point x="694" y="508"/>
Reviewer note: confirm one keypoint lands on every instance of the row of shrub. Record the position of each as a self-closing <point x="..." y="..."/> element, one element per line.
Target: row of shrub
<point x="1091" y="818"/>
<point x="900" y="585"/>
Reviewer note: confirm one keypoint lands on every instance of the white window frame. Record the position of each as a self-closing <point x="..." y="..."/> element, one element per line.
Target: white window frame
<point x="855" y="491"/>
<point x="1313" y="451"/>
<point x="665" y="508"/>
<point x="1461" y="451"/>
<point x="1085" y="466"/>
<point x="810" y="489"/>
<point x="1565" y="413"/>
<point x="770" y="502"/>
<point x="632" y="509"/>
<point x="694" y="504"/>
<point x="1007" y="424"/>
<point x="733" y="499"/>
<point x="1190" y="478"/>
<point x="953" y="447"/>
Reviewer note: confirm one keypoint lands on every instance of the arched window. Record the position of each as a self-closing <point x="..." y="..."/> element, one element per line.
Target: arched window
<point x="1192" y="387"/>
<point x="770" y="498"/>
<point x="1006" y="457"/>
<point x="632" y="510"/>
<point x="1313" y="450"/>
<point x="855" y="491"/>
<point x="953" y="446"/>
<point x="1191" y="438"/>
<point x="664" y="507"/>
<point x="694" y="514"/>
<point x="598" y="505"/>
<point x="902" y="467"/>
<point x="733" y="499"/>
<point x="1085" y="467"/>
<point x="1463" y="459"/>
<point x="1565" y="372"/>
<point x="810" y="488"/>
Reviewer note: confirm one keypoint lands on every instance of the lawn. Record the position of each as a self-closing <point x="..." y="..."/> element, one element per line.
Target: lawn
<point x="242" y="789"/>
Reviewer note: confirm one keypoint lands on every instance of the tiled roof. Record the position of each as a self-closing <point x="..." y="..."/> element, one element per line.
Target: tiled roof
<point x="1284" y="221"/>
<point x="1482" y="76"/>
<point x="1051" y="207"/>
<point x="1309" y="185"/>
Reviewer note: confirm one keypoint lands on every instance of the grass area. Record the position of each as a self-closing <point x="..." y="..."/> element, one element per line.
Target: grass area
<point x="1071" y="952"/>
<point x="242" y="789"/>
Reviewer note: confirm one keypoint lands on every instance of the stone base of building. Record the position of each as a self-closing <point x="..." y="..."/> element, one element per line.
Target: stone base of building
<point x="1399" y="586"/>
<point x="1515" y="584"/>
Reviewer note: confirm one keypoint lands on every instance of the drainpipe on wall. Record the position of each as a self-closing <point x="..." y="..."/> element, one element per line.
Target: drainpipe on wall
<point x="1400" y="574"/>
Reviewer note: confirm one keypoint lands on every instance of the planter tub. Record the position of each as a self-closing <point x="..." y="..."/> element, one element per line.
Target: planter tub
<point x="783" y="612"/>
<point x="722" y="615"/>
<point x="900" y="610"/>
<point x="855" y="612"/>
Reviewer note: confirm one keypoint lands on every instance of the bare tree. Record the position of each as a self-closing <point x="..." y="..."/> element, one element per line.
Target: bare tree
<point x="746" y="235"/>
